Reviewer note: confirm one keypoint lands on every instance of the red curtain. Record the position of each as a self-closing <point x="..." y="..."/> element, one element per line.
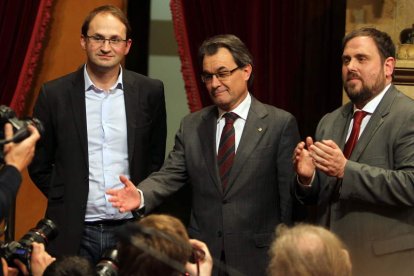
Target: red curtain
<point x="23" y="26"/>
<point x="296" y="47"/>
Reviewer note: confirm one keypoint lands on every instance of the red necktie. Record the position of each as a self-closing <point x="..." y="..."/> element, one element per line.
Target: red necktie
<point x="226" y="151"/>
<point x="353" y="138"/>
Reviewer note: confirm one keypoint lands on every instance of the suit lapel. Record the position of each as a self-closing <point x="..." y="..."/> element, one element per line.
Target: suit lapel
<point x="207" y="136"/>
<point x="342" y="123"/>
<point x="131" y="98"/>
<point x="254" y="129"/>
<point x="374" y="123"/>
<point x="77" y="97"/>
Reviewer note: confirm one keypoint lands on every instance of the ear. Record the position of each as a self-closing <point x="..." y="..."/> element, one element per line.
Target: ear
<point x="83" y="42"/>
<point x="128" y="46"/>
<point x="389" y="66"/>
<point x="247" y="71"/>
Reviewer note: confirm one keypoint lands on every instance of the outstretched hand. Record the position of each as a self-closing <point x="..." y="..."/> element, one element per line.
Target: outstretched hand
<point x="127" y="198"/>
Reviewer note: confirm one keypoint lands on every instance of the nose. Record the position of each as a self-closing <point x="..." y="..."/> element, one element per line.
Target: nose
<point x="215" y="82"/>
<point x="106" y="47"/>
<point x="351" y="65"/>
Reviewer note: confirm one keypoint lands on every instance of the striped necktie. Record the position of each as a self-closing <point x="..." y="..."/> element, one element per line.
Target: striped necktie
<point x="226" y="151"/>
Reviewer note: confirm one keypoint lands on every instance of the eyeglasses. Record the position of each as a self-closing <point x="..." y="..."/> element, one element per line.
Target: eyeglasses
<point x="100" y="40"/>
<point x="221" y="76"/>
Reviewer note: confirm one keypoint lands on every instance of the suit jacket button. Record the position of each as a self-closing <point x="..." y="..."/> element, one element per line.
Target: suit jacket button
<point x="219" y="234"/>
<point x="225" y="201"/>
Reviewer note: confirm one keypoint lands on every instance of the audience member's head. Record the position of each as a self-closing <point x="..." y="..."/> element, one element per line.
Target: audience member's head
<point x="160" y="236"/>
<point x="307" y="250"/>
<point x="70" y="266"/>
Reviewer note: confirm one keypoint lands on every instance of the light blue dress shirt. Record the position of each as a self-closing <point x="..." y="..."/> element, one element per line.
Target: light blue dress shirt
<point x="107" y="147"/>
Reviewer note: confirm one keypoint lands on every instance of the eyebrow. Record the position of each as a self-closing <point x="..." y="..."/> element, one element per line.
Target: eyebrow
<point x="221" y="68"/>
<point x="101" y="35"/>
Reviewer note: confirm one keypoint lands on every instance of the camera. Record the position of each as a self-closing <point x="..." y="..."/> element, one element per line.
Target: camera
<point x="44" y="231"/>
<point x="108" y="264"/>
<point x="7" y="115"/>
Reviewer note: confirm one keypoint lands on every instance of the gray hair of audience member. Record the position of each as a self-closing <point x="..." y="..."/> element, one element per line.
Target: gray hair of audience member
<point x="383" y="41"/>
<point x="307" y="250"/>
<point x="236" y="47"/>
<point x="114" y="11"/>
<point x="70" y="266"/>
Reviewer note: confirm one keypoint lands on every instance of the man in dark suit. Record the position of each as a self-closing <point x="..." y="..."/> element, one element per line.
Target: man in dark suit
<point x="236" y="207"/>
<point x="365" y="195"/>
<point x="101" y="122"/>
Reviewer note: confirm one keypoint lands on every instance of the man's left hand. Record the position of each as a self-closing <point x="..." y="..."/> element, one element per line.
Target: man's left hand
<point x="328" y="158"/>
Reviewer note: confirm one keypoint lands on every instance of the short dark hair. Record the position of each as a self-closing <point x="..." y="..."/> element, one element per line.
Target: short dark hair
<point x="115" y="11"/>
<point x="383" y="41"/>
<point x="70" y="266"/>
<point x="236" y="47"/>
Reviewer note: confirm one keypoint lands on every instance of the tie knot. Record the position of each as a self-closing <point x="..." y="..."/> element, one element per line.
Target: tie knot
<point x="230" y="117"/>
<point x="359" y="115"/>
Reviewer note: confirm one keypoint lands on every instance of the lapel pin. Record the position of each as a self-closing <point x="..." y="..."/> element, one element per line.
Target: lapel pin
<point x="260" y="129"/>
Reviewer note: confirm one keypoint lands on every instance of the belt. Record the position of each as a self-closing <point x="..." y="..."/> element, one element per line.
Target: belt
<point x="108" y="222"/>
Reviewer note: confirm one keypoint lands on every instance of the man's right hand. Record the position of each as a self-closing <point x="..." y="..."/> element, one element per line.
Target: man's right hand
<point x="125" y="199"/>
<point x="303" y="162"/>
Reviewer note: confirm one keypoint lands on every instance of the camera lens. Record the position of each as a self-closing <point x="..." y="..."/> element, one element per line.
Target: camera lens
<point x="108" y="265"/>
<point x="44" y="231"/>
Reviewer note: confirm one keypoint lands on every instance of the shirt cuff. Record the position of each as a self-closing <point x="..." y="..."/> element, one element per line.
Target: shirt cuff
<point x="140" y="211"/>
<point x="303" y="185"/>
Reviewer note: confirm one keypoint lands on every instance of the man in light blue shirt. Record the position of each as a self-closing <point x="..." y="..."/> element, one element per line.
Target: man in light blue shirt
<point x="101" y="122"/>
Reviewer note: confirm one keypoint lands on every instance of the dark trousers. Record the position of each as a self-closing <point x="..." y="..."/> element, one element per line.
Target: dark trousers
<point x="95" y="240"/>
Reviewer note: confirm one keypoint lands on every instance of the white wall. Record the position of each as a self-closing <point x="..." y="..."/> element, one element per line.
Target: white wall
<point x="167" y="67"/>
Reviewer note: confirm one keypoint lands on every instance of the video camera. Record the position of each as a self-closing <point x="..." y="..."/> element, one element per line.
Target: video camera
<point x="44" y="231"/>
<point x="7" y="115"/>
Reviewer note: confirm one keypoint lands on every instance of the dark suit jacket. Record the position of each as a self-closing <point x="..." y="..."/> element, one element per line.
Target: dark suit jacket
<point x="10" y="179"/>
<point x="374" y="215"/>
<point x="60" y="167"/>
<point x="244" y="216"/>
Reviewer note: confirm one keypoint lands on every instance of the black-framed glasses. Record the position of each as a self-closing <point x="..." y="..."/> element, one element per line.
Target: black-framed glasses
<point x="221" y="76"/>
<point x="100" y="40"/>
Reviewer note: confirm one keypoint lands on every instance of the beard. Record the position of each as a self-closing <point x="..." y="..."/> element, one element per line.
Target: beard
<point x="361" y="96"/>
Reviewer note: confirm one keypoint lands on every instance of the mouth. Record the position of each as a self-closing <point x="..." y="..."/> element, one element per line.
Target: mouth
<point x="104" y="56"/>
<point x="218" y="92"/>
<point x="353" y="77"/>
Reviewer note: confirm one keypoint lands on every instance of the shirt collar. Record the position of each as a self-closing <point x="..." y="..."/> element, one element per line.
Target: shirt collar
<point x="242" y="110"/>
<point x="372" y="104"/>
<point x="89" y="85"/>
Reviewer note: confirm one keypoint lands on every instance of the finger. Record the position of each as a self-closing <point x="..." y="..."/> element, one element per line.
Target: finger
<point x="126" y="182"/>
<point x="309" y="141"/>
<point x="4" y="265"/>
<point x="321" y="167"/>
<point x="330" y="143"/>
<point x="112" y="192"/>
<point x="21" y="266"/>
<point x="34" y="133"/>
<point x="8" y="131"/>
